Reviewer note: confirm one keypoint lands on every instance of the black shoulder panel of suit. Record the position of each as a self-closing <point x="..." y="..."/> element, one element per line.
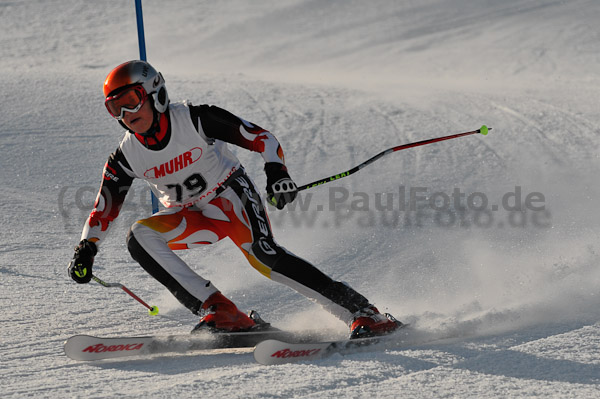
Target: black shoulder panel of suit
<point x="217" y="123"/>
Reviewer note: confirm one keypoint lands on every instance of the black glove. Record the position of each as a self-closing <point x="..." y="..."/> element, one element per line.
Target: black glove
<point x="281" y="189"/>
<point x="80" y="268"/>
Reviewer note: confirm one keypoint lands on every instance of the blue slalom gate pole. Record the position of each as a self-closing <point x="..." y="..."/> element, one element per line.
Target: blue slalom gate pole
<point x="142" y="44"/>
<point x="140" y="29"/>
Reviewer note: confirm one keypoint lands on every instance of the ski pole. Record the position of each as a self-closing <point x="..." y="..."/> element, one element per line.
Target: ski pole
<point x="152" y="310"/>
<point x="483" y="130"/>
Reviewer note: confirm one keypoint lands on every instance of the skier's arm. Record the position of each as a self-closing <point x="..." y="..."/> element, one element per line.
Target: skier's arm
<point x="215" y="123"/>
<point x="116" y="181"/>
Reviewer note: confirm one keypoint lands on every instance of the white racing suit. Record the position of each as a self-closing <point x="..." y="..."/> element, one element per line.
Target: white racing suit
<point x="207" y="197"/>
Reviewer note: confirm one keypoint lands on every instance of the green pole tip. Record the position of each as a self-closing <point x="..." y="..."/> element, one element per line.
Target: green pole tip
<point x="153" y="311"/>
<point x="483" y="130"/>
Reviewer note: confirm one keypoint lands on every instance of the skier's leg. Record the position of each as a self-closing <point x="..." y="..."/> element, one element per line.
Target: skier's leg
<point x="255" y="239"/>
<point x="151" y="242"/>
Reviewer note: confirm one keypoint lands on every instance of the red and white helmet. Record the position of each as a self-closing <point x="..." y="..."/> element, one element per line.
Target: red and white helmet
<point x="134" y="73"/>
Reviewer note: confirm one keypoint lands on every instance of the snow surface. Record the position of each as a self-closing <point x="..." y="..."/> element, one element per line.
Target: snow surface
<point x="337" y="82"/>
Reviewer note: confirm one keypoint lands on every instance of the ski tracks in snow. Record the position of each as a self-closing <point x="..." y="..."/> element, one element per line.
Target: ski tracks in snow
<point x="551" y="132"/>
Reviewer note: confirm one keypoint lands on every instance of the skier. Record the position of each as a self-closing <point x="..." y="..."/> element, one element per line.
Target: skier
<point x="180" y="150"/>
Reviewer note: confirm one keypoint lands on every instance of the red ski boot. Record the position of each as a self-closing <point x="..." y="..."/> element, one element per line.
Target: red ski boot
<point x="369" y="323"/>
<point x="220" y="314"/>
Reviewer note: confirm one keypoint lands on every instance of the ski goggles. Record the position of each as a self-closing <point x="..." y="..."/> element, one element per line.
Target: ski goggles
<point x="128" y="100"/>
